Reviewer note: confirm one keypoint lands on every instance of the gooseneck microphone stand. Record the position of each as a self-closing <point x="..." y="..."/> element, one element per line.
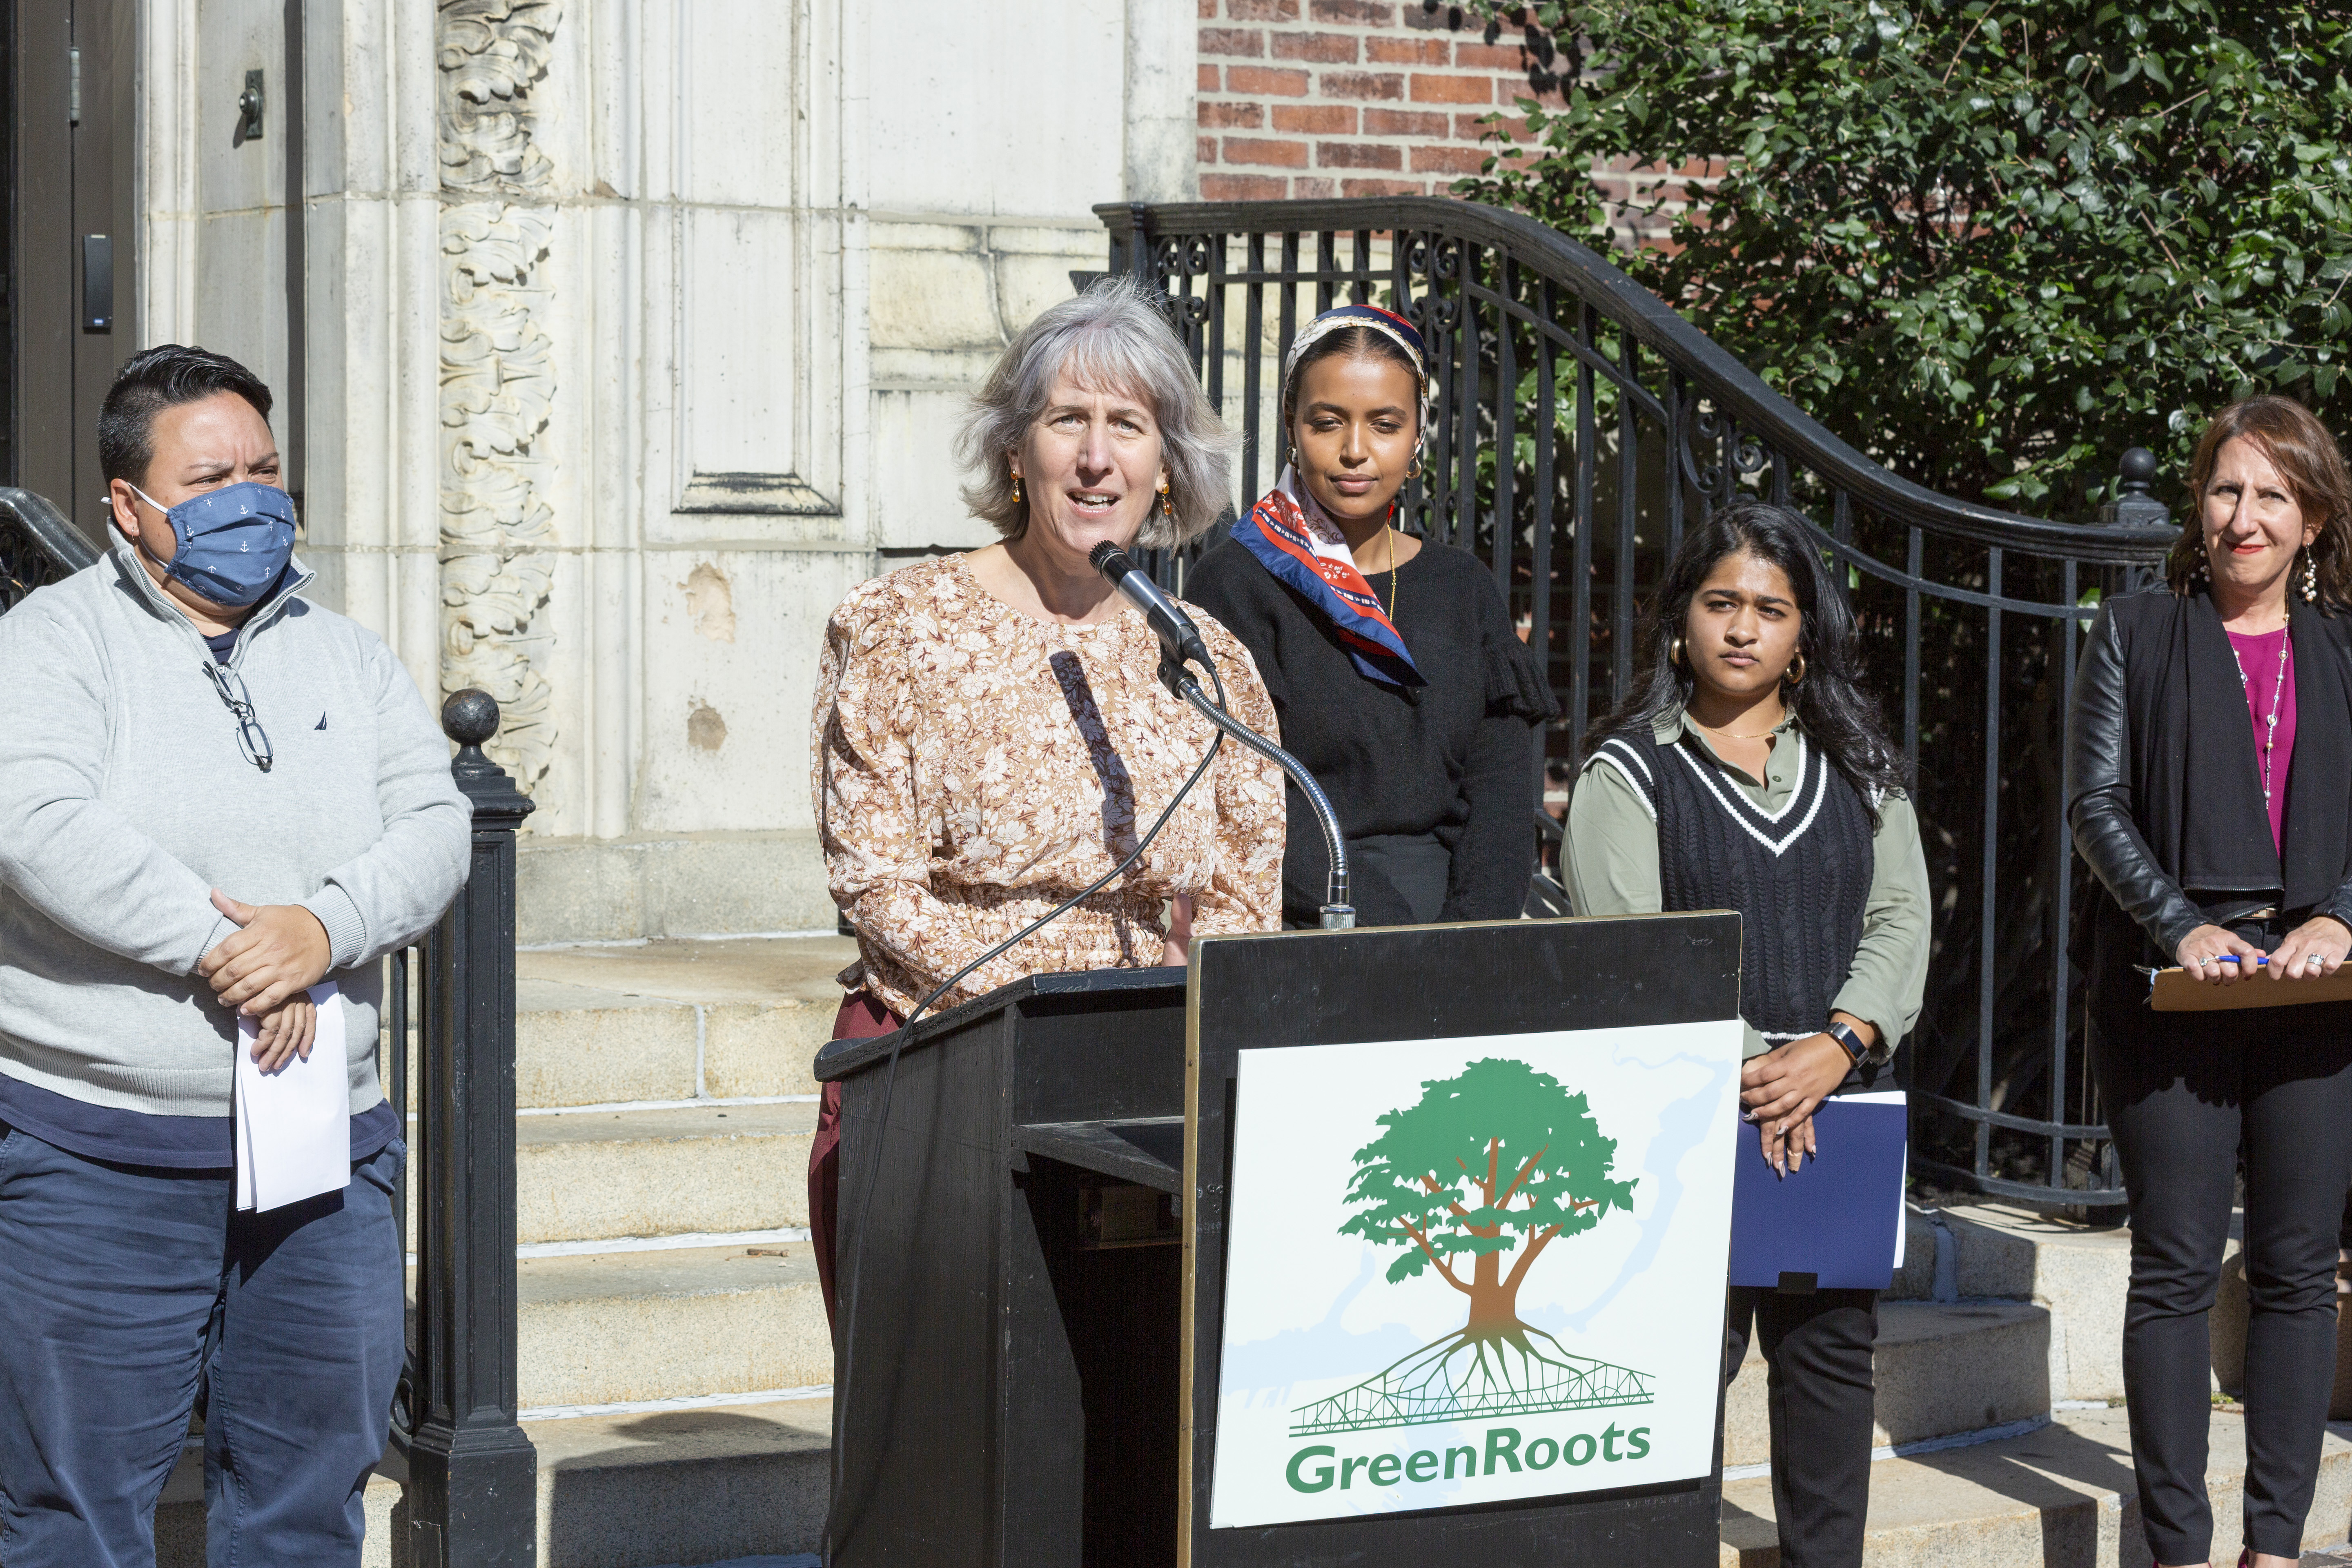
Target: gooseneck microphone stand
<point x="1181" y="642"/>
<point x="1338" y="913"/>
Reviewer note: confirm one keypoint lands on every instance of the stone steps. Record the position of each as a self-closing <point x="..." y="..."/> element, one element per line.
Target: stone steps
<point x="683" y="1486"/>
<point x="2078" y="1275"/>
<point x="2058" y="1497"/>
<point x="705" y="1485"/>
<point x="714" y="1168"/>
<point x="674" y="1021"/>
<point x="1941" y="1369"/>
<point x="627" y="1327"/>
<point x="622" y="1491"/>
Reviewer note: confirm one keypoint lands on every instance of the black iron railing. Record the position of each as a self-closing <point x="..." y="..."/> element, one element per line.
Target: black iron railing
<point x="37" y="545"/>
<point x="1581" y="426"/>
<point x="471" y="1475"/>
<point x="447" y="1057"/>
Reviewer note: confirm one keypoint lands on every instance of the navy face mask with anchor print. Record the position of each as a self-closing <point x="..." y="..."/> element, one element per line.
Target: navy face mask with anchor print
<point x="233" y="543"/>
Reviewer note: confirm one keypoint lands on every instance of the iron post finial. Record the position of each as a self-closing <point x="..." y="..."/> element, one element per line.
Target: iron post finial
<point x="2132" y="506"/>
<point x="469" y="717"/>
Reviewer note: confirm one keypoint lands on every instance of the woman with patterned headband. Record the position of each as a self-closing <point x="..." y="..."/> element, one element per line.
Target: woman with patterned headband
<point x="1391" y="660"/>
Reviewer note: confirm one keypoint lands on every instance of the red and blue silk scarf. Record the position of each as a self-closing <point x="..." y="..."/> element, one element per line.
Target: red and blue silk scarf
<point x="1291" y="539"/>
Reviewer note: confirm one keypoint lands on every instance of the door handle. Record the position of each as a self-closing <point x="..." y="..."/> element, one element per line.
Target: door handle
<point x="97" y="283"/>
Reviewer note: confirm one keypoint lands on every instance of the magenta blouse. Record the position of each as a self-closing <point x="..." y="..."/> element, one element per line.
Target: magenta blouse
<point x="2257" y="657"/>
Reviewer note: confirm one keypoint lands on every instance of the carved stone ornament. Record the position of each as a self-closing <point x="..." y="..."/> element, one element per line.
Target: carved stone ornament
<point x="498" y="381"/>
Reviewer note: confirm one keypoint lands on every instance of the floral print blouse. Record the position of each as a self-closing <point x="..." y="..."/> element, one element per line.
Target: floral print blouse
<point x="975" y="766"/>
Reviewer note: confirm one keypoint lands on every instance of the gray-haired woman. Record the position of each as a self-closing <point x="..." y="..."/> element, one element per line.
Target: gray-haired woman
<point x="990" y="733"/>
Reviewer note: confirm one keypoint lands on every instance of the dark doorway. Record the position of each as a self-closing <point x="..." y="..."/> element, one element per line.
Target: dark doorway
<point x="70" y="162"/>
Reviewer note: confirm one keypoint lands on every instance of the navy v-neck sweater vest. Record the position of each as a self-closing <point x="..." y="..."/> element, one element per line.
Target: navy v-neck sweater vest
<point x="1800" y="877"/>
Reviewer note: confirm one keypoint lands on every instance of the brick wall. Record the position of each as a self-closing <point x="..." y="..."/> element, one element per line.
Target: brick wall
<point x="1347" y="98"/>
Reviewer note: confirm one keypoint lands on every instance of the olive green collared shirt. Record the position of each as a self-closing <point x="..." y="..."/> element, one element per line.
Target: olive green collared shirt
<point x="1613" y="869"/>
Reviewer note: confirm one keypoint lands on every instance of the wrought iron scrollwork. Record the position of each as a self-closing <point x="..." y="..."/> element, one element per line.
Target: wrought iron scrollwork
<point x="1581" y="427"/>
<point x="1446" y="260"/>
<point x="1415" y="255"/>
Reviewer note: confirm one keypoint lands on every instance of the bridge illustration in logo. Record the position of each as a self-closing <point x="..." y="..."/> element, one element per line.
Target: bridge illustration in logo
<point x="1420" y="1389"/>
<point x="1489" y="1168"/>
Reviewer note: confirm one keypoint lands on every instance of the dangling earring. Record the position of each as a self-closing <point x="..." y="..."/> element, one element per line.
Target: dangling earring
<point x="1016" y="489"/>
<point x="2310" y="576"/>
<point x="1167" y="502"/>
<point x="1412" y="469"/>
<point x="2201" y="572"/>
<point x="1675" y="653"/>
<point x="1797" y="676"/>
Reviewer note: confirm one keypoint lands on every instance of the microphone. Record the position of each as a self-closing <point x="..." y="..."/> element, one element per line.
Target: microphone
<point x="1175" y="628"/>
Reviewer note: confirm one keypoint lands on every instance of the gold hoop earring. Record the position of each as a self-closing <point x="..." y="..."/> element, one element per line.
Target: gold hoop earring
<point x="1797" y="677"/>
<point x="1412" y="469"/>
<point x="1675" y="653"/>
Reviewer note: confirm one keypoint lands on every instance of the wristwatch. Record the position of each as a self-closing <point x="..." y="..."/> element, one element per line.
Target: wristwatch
<point x="1872" y="1056"/>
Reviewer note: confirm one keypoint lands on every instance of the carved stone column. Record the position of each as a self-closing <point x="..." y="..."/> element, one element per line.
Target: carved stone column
<point x="497" y="385"/>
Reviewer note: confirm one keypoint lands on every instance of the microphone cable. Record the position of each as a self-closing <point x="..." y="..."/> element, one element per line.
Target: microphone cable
<point x="890" y="1078"/>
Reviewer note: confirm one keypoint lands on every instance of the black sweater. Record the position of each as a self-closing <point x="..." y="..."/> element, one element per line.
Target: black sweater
<point x="1456" y="758"/>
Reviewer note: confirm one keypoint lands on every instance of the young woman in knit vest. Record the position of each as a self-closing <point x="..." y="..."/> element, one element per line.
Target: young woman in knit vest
<point x="1747" y="770"/>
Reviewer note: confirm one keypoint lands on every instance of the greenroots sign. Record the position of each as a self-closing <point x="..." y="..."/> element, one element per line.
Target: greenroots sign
<point x="1466" y="1272"/>
<point x="1318" y="1467"/>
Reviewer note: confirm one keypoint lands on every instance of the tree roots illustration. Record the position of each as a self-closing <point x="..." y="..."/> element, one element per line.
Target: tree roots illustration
<point x="1500" y="1160"/>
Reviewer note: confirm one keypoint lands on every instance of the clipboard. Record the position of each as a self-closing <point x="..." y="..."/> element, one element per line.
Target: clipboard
<point x="2172" y="991"/>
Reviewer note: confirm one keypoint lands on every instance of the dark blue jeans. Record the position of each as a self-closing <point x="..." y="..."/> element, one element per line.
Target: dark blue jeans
<point x="122" y="1288"/>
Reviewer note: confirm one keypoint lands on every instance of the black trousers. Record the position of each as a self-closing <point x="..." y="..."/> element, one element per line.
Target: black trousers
<point x="1818" y="1388"/>
<point x="2186" y="1094"/>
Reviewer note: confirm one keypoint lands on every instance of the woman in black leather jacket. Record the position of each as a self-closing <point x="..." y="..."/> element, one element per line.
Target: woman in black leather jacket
<point x="2209" y="783"/>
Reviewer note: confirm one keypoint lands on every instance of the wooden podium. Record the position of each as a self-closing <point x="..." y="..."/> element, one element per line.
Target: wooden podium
<point x="1036" y="1374"/>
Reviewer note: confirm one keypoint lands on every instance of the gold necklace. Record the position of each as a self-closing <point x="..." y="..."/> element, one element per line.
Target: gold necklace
<point x="1392" y="573"/>
<point x="1728" y="735"/>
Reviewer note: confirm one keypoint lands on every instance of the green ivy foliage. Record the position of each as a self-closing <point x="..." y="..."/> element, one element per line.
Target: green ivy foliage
<point x="1991" y="244"/>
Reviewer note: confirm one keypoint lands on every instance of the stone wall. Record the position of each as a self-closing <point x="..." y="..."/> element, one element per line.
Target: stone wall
<point x="628" y="339"/>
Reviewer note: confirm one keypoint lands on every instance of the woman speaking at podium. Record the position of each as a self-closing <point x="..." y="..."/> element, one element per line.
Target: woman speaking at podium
<point x="1391" y="662"/>
<point x="2209" y="781"/>
<point x="1747" y="770"/>
<point x="991" y="737"/>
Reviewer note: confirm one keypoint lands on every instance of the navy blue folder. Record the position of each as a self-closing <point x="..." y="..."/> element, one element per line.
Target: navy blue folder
<point x="1836" y="1225"/>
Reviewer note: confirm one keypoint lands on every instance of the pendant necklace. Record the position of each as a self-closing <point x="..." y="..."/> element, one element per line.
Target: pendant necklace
<point x="2278" y="695"/>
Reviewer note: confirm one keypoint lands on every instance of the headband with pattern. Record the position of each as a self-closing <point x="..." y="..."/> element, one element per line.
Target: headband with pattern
<point x="1388" y="323"/>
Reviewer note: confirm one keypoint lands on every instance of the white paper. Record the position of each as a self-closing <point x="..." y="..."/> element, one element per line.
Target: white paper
<point x="294" y="1125"/>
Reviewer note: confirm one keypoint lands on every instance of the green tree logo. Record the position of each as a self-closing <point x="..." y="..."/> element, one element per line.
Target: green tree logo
<point x="1489" y="1169"/>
